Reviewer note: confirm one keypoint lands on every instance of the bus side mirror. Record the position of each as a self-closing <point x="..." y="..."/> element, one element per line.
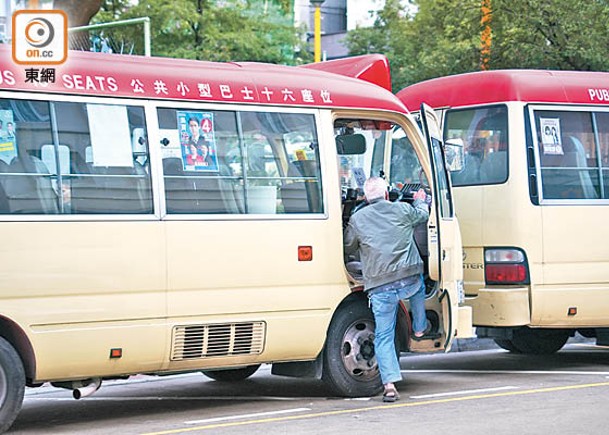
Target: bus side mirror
<point x="349" y="144"/>
<point x="453" y="150"/>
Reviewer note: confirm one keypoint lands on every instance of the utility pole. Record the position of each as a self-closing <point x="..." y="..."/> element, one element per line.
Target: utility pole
<point x="317" y="29"/>
<point x="486" y="36"/>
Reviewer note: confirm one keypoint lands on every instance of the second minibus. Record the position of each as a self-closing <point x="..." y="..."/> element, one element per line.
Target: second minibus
<point x="532" y="198"/>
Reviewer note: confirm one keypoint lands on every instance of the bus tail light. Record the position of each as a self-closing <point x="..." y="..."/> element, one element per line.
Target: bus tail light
<point x="505" y="266"/>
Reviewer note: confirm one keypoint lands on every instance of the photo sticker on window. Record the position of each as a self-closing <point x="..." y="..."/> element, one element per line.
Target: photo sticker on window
<point x="8" y="149"/>
<point x="197" y="141"/>
<point x="550" y="136"/>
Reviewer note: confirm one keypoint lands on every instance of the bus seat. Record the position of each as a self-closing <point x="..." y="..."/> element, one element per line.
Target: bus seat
<point x="119" y="189"/>
<point x="109" y="189"/>
<point x="215" y="194"/>
<point x="197" y="192"/>
<point x="581" y="162"/>
<point x="493" y="168"/>
<point x="177" y="187"/>
<point x="28" y="191"/>
<point x="572" y="183"/>
<point x="301" y="196"/>
<point x="4" y="204"/>
<point x="47" y="154"/>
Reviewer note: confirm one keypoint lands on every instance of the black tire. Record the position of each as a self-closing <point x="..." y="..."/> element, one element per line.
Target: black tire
<point x="539" y="341"/>
<point x="506" y="344"/>
<point x="349" y="365"/>
<point x="231" y="375"/>
<point x="12" y="384"/>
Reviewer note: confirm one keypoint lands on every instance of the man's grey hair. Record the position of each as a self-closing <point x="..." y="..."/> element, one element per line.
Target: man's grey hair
<point x="375" y="188"/>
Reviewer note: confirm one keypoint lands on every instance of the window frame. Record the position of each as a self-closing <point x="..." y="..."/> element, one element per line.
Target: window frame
<point x="531" y="133"/>
<point x="155" y="157"/>
<point x="155" y="137"/>
<point x="444" y="115"/>
<point x="126" y="102"/>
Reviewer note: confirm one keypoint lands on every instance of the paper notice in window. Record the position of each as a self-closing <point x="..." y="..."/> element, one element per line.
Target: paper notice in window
<point x="110" y="135"/>
<point x="550" y="136"/>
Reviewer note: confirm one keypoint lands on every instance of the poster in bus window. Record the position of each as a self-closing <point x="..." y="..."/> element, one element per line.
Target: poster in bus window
<point x="550" y="136"/>
<point x="197" y="141"/>
<point x="8" y="141"/>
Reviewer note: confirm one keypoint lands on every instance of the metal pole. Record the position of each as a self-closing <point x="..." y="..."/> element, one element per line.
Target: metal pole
<point x="317" y="33"/>
<point x="8" y="7"/>
<point x="145" y="20"/>
<point x="147" y="51"/>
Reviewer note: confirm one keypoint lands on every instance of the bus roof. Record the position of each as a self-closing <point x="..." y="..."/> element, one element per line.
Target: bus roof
<point x="116" y="75"/>
<point x="540" y="86"/>
<point x="373" y="68"/>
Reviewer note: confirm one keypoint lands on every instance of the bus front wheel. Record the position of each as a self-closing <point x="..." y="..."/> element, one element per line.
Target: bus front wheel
<point x="12" y="384"/>
<point x="231" y="375"/>
<point x="539" y="341"/>
<point x="349" y="365"/>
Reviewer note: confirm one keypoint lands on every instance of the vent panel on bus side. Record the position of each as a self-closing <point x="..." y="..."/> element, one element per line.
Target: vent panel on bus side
<point x="230" y="339"/>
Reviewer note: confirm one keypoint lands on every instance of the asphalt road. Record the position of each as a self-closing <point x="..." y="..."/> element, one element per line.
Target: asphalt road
<point x="468" y="392"/>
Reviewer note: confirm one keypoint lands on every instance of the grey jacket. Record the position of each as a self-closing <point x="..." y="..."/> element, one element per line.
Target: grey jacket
<point x="383" y="234"/>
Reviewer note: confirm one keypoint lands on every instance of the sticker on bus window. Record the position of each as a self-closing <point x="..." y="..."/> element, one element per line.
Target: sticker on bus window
<point x="550" y="136"/>
<point x="8" y="141"/>
<point x="197" y="141"/>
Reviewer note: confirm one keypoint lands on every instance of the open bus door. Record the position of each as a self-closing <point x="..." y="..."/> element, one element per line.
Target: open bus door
<point x="444" y="238"/>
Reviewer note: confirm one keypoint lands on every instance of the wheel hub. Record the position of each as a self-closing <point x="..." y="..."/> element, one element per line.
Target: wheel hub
<point x="358" y="350"/>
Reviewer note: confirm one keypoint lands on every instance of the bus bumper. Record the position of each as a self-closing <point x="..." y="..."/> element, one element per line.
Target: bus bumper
<point x="500" y="306"/>
<point x="464" y="323"/>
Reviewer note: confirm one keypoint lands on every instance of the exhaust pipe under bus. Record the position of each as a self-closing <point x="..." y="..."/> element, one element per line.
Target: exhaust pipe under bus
<point x="88" y="389"/>
<point x="80" y="389"/>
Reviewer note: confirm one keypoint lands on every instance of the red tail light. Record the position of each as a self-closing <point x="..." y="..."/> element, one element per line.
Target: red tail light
<point x="505" y="266"/>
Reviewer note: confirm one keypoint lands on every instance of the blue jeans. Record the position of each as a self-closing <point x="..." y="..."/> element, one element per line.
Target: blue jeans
<point x="385" y="301"/>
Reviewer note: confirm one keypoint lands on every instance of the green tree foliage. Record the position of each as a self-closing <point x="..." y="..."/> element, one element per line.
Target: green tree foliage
<point x="442" y="37"/>
<point x="237" y="30"/>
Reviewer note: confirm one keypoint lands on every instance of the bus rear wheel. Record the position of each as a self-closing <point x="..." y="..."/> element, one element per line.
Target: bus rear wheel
<point x="539" y="341"/>
<point x="232" y="375"/>
<point x="506" y="344"/>
<point x="12" y="384"/>
<point x="349" y="365"/>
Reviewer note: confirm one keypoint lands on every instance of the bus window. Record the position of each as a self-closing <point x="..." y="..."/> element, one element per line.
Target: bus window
<point x="259" y="162"/>
<point x="58" y="158"/>
<point x="355" y="168"/>
<point x="567" y="155"/>
<point x="406" y="168"/>
<point x="484" y="135"/>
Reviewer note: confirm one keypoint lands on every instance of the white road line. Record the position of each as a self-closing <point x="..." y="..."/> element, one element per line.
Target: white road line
<point x="590" y="345"/>
<point x="510" y="372"/>
<point x="458" y="393"/>
<point x="245" y="416"/>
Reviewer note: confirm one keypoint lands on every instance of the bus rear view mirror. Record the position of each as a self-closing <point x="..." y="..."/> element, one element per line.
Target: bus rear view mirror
<point x="350" y="144"/>
<point x="453" y="150"/>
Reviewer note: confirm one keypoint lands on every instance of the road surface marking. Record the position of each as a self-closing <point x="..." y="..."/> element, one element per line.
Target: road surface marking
<point x="379" y="408"/>
<point x="459" y="393"/>
<point x="242" y="416"/>
<point x="510" y="372"/>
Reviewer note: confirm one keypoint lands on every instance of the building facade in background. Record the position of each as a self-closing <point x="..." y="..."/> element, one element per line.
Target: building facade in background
<point x="337" y="18"/>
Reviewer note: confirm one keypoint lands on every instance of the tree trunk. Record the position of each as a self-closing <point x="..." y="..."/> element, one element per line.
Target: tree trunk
<point x="79" y="14"/>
